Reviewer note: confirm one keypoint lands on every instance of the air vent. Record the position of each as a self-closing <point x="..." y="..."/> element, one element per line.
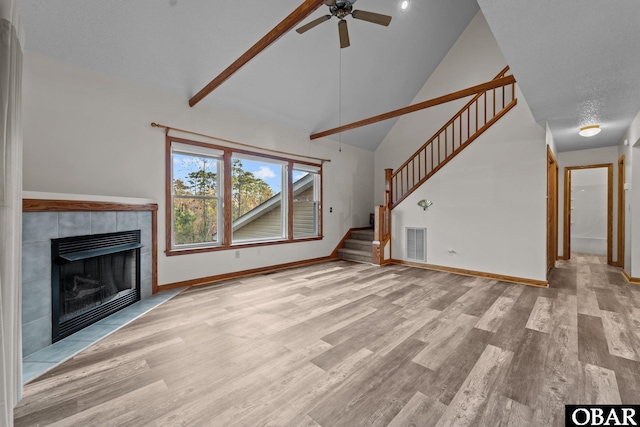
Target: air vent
<point x="416" y="244"/>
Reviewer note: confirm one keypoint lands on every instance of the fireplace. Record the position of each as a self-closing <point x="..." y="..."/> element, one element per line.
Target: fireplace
<point x="92" y="277"/>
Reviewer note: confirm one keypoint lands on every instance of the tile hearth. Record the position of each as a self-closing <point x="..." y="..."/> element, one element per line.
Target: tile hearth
<point x="47" y="358"/>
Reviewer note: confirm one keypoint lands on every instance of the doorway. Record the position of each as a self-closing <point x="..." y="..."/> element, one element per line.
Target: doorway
<point x="552" y="210"/>
<point x="585" y="217"/>
<point x="621" y="236"/>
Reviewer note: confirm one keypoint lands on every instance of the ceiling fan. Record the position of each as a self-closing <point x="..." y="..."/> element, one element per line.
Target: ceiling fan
<point x="341" y="9"/>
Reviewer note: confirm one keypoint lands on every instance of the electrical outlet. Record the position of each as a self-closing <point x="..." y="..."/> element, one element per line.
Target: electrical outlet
<point x="237" y="254"/>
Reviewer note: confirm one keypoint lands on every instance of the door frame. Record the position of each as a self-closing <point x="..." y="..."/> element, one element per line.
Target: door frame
<point x="621" y="212"/>
<point x="566" y="253"/>
<point x="552" y="209"/>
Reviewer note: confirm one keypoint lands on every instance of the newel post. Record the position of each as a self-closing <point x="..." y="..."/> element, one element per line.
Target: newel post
<point x="388" y="194"/>
<point x="388" y="190"/>
<point x="382" y="222"/>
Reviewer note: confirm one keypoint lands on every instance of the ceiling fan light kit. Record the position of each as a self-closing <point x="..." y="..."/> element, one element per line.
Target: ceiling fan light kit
<point x="341" y="9"/>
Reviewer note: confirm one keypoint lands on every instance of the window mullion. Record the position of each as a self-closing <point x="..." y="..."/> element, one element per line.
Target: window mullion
<point x="320" y="206"/>
<point x="290" y="201"/>
<point x="227" y="182"/>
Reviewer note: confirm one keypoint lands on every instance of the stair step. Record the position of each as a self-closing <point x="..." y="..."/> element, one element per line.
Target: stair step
<point x="355" y="255"/>
<point x="362" y="235"/>
<point x="360" y="245"/>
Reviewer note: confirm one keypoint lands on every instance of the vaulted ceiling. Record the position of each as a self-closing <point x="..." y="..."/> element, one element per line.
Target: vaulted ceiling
<point x="307" y="82"/>
<point x="302" y="81"/>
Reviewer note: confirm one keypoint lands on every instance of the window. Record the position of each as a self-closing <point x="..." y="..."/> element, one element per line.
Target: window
<point x="306" y="200"/>
<point x="220" y="198"/>
<point x="256" y="199"/>
<point x="196" y="200"/>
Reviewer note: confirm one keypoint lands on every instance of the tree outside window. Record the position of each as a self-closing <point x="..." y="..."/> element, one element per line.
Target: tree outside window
<point x="261" y="206"/>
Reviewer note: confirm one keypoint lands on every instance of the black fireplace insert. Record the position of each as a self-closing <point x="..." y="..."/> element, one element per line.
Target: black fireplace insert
<point x="91" y="278"/>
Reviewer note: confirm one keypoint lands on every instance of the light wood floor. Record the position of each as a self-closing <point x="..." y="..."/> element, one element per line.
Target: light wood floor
<point x="342" y="344"/>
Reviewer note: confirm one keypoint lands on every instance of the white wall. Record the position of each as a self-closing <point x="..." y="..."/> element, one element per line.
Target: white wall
<point x="489" y="203"/>
<point x="594" y="156"/>
<point x="475" y="58"/>
<point x="634" y="225"/>
<point x="550" y="141"/>
<point x="589" y="211"/>
<point x="89" y="133"/>
<point x="631" y="152"/>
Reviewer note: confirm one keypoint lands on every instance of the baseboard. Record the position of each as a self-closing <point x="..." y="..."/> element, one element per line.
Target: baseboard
<point x="244" y="273"/>
<point x="485" y="275"/>
<point x="632" y="280"/>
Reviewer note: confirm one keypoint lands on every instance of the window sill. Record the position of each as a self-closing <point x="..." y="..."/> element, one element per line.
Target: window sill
<point x="187" y="251"/>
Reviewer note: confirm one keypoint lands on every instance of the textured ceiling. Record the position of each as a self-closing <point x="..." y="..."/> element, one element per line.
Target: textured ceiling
<point x="179" y="46"/>
<point x="576" y="61"/>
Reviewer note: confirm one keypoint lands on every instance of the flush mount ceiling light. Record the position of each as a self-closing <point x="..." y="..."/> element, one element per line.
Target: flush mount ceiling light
<point x="404" y="5"/>
<point x="588" y="131"/>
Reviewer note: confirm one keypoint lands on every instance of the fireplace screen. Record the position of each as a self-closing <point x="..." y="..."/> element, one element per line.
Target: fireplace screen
<point x="93" y="277"/>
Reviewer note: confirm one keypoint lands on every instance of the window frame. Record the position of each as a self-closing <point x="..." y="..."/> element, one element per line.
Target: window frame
<point x="284" y="206"/>
<point x="219" y="198"/>
<point x="315" y="172"/>
<point x="225" y="188"/>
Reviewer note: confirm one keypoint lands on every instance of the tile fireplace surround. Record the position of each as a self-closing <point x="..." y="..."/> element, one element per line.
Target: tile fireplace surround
<point x="49" y="216"/>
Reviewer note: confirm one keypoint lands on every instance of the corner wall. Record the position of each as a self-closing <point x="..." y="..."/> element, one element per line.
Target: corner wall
<point x="89" y="133"/>
<point x="551" y="142"/>
<point x="489" y="203"/>
<point x="631" y="152"/>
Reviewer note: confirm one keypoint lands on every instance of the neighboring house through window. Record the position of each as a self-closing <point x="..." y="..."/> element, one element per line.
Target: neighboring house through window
<point x="306" y="200"/>
<point x="221" y="198"/>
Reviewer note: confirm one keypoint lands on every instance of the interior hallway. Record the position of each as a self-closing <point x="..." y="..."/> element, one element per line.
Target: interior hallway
<point x="342" y="344"/>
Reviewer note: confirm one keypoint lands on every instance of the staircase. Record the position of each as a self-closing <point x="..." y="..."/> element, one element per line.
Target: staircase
<point x="466" y="126"/>
<point x="357" y="247"/>
<point x="478" y="115"/>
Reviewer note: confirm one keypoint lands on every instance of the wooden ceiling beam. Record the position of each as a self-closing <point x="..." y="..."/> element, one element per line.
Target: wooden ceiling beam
<point x="304" y="10"/>
<point x="493" y="84"/>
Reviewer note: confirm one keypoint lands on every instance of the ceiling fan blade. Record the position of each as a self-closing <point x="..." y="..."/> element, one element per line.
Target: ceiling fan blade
<point x="344" y="34"/>
<point x="310" y="25"/>
<point x="376" y="18"/>
<point x="329" y="2"/>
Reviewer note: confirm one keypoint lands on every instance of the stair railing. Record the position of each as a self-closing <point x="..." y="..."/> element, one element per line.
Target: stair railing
<point x="484" y="109"/>
<point x="469" y="123"/>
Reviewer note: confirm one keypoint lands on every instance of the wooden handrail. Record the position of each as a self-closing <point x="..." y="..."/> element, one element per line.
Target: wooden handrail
<point x="467" y="105"/>
<point x="493" y="84"/>
<point x="403" y="181"/>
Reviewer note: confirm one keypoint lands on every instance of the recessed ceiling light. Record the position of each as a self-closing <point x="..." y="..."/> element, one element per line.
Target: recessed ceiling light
<point x="404" y="5"/>
<point x="588" y="131"/>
